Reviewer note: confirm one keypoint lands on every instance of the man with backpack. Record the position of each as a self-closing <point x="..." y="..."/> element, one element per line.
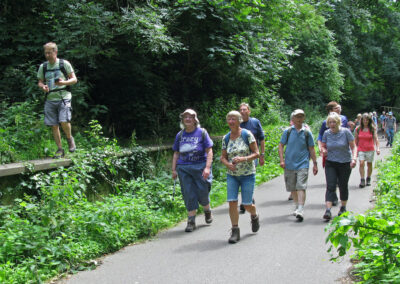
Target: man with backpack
<point x="55" y="76"/>
<point x="295" y="160"/>
<point x="254" y="126"/>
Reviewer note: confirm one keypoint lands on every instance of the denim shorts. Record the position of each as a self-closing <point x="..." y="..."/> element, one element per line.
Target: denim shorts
<point x="246" y="183"/>
<point x="195" y="189"/>
<point x="56" y="112"/>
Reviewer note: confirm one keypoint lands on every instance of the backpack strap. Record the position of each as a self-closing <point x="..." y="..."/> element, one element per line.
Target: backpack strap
<point x="62" y="69"/>
<point x="288" y="134"/>
<point x="244" y="134"/>
<point x="306" y="135"/>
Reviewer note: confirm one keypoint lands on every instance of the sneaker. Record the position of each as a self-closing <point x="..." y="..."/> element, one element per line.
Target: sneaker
<point x="300" y="215"/>
<point x="255" y="223"/>
<point x="327" y="215"/>
<point x="362" y="183"/>
<point x="71" y="144"/>
<point x="208" y="216"/>
<point x="242" y="210"/>
<point x="294" y="212"/>
<point x="341" y="211"/>
<point x="368" y="181"/>
<point x="59" y="154"/>
<point x="190" y="226"/>
<point x="235" y="236"/>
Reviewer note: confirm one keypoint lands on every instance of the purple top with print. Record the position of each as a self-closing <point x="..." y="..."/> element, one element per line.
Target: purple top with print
<point x="192" y="146"/>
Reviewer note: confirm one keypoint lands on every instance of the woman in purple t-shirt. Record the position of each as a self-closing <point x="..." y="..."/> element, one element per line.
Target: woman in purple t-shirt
<point x="192" y="164"/>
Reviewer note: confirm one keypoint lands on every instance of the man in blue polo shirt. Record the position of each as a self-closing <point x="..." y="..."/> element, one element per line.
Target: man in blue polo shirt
<point x="254" y="125"/>
<point x="295" y="160"/>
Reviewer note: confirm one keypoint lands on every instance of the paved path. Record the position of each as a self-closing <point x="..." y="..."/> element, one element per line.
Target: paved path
<point x="283" y="251"/>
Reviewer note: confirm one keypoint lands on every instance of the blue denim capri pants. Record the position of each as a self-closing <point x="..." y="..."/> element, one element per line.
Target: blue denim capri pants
<point x="246" y="183"/>
<point x="195" y="189"/>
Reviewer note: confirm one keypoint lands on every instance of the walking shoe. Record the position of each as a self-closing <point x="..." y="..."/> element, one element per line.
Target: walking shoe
<point x="327" y="215"/>
<point x="242" y="210"/>
<point x="368" y="181"/>
<point x="300" y="215"/>
<point x="342" y="210"/>
<point x="255" y="223"/>
<point x="71" y="144"/>
<point x="190" y="226"/>
<point x="208" y="216"/>
<point x="59" y="154"/>
<point x="362" y="183"/>
<point x="235" y="236"/>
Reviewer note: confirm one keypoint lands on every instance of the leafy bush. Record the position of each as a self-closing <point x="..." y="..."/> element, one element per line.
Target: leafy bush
<point x="72" y="219"/>
<point x="376" y="234"/>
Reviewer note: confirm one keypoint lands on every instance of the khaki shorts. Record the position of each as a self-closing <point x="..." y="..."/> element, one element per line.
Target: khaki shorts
<point x="296" y="179"/>
<point x="366" y="156"/>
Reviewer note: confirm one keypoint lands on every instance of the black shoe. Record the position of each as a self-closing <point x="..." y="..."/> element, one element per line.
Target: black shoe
<point x="327" y="215"/>
<point x="208" y="216"/>
<point x="335" y="203"/>
<point x="235" y="236"/>
<point x="368" y="181"/>
<point x="242" y="210"/>
<point x="59" y="154"/>
<point x="190" y="226"/>
<point x="342" y="210"/>
<point x="362" y="183"/>
<point x="255" y="223"/>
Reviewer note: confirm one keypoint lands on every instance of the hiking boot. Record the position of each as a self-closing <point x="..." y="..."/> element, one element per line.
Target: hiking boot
<point x="208" y="216"/>
<point x="235" y="236"/>
<point x="368" y="181"/>
<point x="71" y="144"/>
<point x="242" y="210"/>
<point x="255" y="223"/>
<point x="342" y="210"/>
<point x="191" y="225"/>
<point x="300" y="215"/>
<point x="327" y="215"/>
<point x="362" y="183"/>
<point x="59" y="154"/>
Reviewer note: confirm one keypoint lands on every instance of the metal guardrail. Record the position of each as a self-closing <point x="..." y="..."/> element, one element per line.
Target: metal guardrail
<point x="49" y="164"/>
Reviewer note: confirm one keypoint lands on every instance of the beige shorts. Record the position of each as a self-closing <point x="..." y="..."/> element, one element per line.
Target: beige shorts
<point x="296" y="179"/>
<point x="366" y="156"/>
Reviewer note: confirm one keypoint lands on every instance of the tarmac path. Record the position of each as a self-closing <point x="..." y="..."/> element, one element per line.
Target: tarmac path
<point x="282" y="251"/>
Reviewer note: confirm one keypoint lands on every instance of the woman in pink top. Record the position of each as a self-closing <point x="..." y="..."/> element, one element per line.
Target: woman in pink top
<point x="366" y="139"/>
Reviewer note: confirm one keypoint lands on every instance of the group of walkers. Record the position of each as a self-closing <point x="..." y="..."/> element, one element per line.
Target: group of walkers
<point x="339" y="141"/>
<point x="240" y="153"/>
<point x="338" y="146"/>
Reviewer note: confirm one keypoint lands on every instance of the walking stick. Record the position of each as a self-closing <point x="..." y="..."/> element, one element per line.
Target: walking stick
<point x="173" y="193"/>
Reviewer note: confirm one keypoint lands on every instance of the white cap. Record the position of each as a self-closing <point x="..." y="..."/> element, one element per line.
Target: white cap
<point x="297" y="112"/>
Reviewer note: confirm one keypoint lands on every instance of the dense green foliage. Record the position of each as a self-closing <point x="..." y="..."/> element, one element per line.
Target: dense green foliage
<point x="139" y="63"/>
<point x="96" y="206"/>
<point x="376" y="234"/>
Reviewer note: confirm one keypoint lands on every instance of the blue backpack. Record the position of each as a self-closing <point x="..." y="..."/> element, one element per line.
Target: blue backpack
<point x="244" y="135"/>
